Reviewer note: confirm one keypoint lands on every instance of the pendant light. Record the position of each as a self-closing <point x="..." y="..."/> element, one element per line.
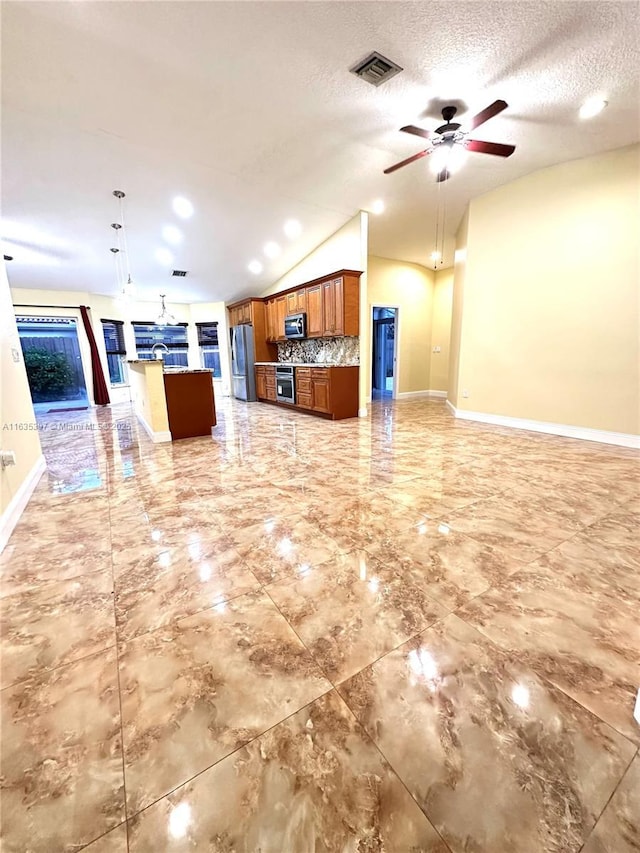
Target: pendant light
<point x="165" y="318"/>
<point x="123" y="265"/>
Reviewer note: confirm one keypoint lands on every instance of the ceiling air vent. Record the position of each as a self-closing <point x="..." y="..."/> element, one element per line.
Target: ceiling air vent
<point x="376" y="69"/>
<point x="179" y="273"/>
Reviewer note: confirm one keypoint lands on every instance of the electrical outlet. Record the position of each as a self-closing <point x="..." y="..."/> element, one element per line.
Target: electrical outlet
<point x="465" y="393"/>
<point x="436" y="349"/>
<point x="15" y="354"/>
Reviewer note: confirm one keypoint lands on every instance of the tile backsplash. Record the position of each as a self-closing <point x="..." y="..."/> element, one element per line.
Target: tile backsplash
<point x="343" y="351"/>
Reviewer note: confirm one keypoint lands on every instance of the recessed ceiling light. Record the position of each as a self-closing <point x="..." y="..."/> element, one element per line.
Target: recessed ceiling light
<point x="255" y="267"/>
<point x="292" y="228"/>
<point x="377" y="206"/>
<point x="271" y="249"/>
<point x="172" y="234"/>
<point x="164" y="256"/>
<point x="591" y="107"/>
<point x="183" y="207"/>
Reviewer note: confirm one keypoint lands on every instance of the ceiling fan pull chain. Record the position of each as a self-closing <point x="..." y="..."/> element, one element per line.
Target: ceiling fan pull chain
<point x="435" y="248"/>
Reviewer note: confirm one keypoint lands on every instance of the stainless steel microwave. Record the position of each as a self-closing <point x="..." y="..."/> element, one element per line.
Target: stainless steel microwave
<point x="295" y="326"/>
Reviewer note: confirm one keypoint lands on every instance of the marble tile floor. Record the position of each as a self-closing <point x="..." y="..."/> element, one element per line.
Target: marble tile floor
<point x="402" y="633"/>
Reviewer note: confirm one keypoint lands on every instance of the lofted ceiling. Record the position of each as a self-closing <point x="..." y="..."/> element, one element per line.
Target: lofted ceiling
<point x="248" y="110"/>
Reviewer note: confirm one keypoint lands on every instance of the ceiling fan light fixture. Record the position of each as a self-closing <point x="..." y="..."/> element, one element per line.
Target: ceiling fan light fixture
<point x="447" y="157"/>
<point x="592" y="107"/>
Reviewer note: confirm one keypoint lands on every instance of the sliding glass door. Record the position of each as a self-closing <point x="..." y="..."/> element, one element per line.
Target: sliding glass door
<point x="54" y="366"/>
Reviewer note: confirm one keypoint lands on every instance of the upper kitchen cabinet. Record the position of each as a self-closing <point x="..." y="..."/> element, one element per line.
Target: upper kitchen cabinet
<point x="281" y="313"/>
<point x="331" y="303"/>
<point x="333" y="307"/>
<point x="241" y="312"/>
<point x="340" y="306"/>
<point x="253" y="312"/>
<point x="272" y="319"/>
<point x="297" y="301"/>
<point x="315" y="320"/>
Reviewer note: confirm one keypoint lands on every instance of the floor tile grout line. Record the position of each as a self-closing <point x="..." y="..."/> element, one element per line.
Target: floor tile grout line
<point x="544" y="677"/>
<point x="119" y="685"/>
<point x="389" y="763"/>
<point x="43" y="673"/>
<point x="228" y="754"/>
<point x="604" y="808"/>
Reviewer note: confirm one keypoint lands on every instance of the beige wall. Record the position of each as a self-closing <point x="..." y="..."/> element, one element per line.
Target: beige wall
<point x="457" y="302"/>
<point x="15" y="409"/>
<point x="410" y="287"/>
<point x="341" y="251"/>
<point x="441" y="330"/>
<point x="549" y="328"/>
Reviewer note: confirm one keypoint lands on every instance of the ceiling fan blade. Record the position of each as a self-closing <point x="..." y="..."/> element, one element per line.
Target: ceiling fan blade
<point x="489" y="148"/>
<point x="417" y="131"/>
<point x="407" y="161"/>
<point x="487" y="113"/>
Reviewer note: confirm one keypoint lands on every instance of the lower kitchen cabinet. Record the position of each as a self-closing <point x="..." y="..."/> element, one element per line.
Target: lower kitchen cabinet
<point x="321" y="390"/>
<point x="266" y="382"/>
<point x="329" y="392"/>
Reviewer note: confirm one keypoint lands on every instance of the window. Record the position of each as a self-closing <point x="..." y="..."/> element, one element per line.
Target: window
<point x="173" y="337"/>
<point x="113" y="331"/>
<point x="209" y="347"/>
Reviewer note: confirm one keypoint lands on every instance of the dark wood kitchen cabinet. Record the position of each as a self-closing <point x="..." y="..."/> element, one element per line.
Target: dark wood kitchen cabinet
<point x="191" y="408"/>
<point x="297" y="301"/>
<point x="315" y="320"/>
<point x="329" y="392"/>
<point x="304" y="397"/>
<point x="281" y="313"/>
<point x="321" y="390"/>
<point x="266" y="382"/>
<point x="253" y="312"/>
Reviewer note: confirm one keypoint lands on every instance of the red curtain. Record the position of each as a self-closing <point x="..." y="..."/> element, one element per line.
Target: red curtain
<point x="100" y="390"/>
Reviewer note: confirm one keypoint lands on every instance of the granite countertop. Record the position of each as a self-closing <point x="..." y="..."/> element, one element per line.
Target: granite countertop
<point x="170" y="370"/>
<point x="303" y="364"/>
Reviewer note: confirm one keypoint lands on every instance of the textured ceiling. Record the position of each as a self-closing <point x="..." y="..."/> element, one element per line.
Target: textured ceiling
<point x="248" y="110"/>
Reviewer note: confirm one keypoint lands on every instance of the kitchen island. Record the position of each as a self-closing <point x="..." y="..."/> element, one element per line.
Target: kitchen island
<point x="172" y="402"/>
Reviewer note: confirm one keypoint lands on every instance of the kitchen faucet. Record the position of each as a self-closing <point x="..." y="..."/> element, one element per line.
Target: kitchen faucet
<point x="153" y="349"/>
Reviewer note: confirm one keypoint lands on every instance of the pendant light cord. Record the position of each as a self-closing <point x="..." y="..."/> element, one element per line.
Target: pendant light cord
<point x="124" y="239"/>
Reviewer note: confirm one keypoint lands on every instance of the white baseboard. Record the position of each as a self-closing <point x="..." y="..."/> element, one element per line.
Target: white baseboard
<point x="620" y="439"/>
<point x="156" y="437"/>
<point x="407" y="395"/>
<point x="18" y="502"/>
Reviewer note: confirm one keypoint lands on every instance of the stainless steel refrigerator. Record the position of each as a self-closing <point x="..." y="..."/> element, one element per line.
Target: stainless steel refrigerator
<point x="243" y="363"/>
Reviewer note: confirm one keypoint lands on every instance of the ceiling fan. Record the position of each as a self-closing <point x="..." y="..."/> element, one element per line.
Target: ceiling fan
<point x="448" y="141"/>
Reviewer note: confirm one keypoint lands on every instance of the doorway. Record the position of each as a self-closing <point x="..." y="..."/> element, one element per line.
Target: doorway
<point x="383" y="355"/>
<point x="51" y="353"/>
